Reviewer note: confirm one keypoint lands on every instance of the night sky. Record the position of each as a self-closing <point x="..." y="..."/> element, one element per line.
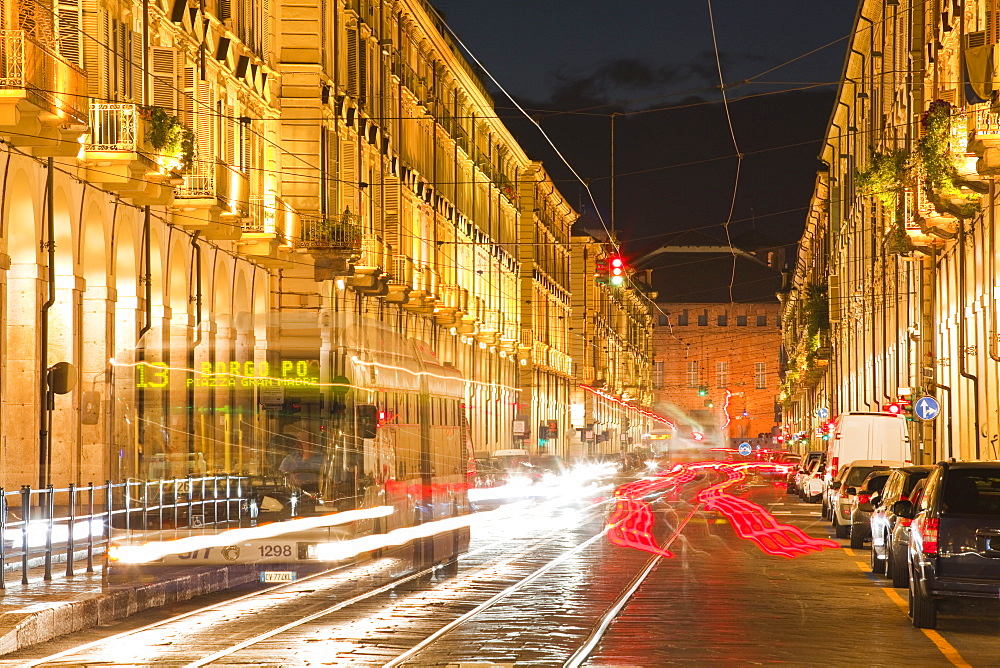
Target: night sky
<point x="653" y="61"/>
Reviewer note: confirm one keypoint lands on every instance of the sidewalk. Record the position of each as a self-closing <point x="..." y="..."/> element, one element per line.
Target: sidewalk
<point x="38" y="611"/>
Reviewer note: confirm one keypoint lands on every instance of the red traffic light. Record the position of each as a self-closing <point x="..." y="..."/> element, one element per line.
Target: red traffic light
<point x="617" y="265"/>
<point x="893" y="409"/>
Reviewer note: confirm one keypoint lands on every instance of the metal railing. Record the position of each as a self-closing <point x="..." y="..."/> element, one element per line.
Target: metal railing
<point x="114" y="126"/>
<point x="42" y="526"/>
<point x="50" y="81"/>
<point x="987" y="122"/>
<point x="199" y="182"/>
<point x="337" y="232"/>
<point x="402" y="270"/>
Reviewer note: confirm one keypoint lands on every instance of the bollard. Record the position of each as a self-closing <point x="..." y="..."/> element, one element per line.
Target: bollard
<point x="145" y="506"/>
<point x="159" y="503"/>
<point x="70" y="538"/>
<point x="50" y="510"/>
<point x="109" y="509"/>
<point x="25" y="519"/>
<point x="3" y="538"/>
<point x="90" y="527"/>
<point x="128" y="508"/>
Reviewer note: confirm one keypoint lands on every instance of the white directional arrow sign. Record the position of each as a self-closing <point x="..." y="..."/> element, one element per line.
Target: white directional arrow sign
<point x="926" y="408"/>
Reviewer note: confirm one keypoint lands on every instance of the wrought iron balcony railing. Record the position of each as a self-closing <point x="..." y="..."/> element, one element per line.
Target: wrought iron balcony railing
<point x="342" y="232"/>
<point x="114" y="126"/>
<point x="50" y="82"/>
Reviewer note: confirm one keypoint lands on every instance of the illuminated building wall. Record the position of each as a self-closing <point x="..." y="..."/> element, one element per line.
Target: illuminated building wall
<point x="336" y="184"/>
<point x="546" y="379"/>
<point x="901" y="226"/>
<point x="717" y="366"/>
<point x="611" y="347"/>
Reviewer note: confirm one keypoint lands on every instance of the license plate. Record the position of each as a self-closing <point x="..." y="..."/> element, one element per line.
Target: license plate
<point x="277" y="576"/>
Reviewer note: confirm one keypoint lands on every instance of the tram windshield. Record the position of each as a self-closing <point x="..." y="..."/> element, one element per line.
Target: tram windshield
<point x="336" y="406"/>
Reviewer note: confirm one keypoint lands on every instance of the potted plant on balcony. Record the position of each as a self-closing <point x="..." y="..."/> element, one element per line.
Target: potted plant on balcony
<point x="943" y="184"/>
<point x="173" y="141"/>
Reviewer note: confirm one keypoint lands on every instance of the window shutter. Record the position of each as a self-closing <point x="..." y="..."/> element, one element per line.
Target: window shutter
<point x="95" y="56"/>
<point x="69" y="17"/>
<point x="187" y="96"/>
<point x="352" y="62"/>
<point x="228" y="135"/>
<point x="348" y="176"/>
<point x="265" y="30"/>
<point x="225" y="10"/>
<point x="136" y="75"/>
<point x="163" y="66"/>
<point x="362" y="73"/>
<point x="204" y="125"/>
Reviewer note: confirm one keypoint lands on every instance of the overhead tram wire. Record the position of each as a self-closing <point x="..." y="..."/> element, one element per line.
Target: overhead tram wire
<point x="548" y="139"/>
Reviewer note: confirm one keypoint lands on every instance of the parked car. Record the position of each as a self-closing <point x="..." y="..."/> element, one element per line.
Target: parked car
<point x="861" y="508"/>
<point x="839" y="496"/>
<point x="891" y="533"/>
<point x="954" y="548"/>
<point x="813" y="482"/>
<point x="802" y="471"/>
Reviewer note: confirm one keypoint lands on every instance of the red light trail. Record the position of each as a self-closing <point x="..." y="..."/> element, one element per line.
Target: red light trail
<point x="632" y="520"/>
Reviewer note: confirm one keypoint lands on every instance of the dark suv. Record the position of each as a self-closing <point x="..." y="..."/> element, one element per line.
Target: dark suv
<point x="954" y="546"/>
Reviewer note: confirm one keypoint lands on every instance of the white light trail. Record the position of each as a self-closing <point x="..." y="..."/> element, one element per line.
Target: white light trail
<point x="153" y="550"/>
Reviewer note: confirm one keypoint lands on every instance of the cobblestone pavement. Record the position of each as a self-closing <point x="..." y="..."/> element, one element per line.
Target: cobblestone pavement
<point x="719" y="601"/>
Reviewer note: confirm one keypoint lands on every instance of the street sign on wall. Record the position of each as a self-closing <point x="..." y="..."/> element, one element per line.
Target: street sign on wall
<point x="926" y="408"/>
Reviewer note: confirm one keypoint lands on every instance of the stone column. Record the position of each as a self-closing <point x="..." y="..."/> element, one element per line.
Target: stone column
<point x="25" y="295"/>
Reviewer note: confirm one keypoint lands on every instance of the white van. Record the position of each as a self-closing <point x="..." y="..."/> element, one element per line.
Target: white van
<point x="867" y="436"/>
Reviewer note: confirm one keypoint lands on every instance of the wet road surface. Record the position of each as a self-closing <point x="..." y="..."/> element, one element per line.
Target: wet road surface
<point x="720" y="600"/>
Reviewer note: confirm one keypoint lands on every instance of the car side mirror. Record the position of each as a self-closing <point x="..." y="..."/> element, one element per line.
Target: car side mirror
<point x="903" y="509"/>
<point x="876" y="501"/>
<point x="835" y="484"/>
<point x="852" y="491"/>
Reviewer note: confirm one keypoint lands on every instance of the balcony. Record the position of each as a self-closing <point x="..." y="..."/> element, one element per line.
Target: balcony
<point x="265" y="234"/>
<point x="399" y="282"/>
<point x="43" y="96"/>
<point x="213" y="199"/>
<point x="368" y="276"/>
<point x="118" y="156"/>
<point x="421" y="298"/>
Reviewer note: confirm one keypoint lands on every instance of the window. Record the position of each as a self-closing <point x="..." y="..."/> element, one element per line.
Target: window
<point x="658" y="374"/>
<point x="703" y="319"/>
<point x="762" y="321"/>
<point x="664" y="320"/>
<point x="682" y="319"/>
<point x="693" y="373"/>
<point x="721" y="374"/>
<point x="760" y="375"/>
<point x="722" y="320"/>
<point x="741" y="321"/>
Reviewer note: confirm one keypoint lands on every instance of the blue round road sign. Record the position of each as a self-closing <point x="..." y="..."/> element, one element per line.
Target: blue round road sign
<point x="745" y="448"/>
<point x="822" y="413"/>
<point x="926" y="408"/>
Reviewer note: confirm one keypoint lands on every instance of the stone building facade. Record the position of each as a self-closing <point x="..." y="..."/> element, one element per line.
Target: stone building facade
<point x="194" y="194"/>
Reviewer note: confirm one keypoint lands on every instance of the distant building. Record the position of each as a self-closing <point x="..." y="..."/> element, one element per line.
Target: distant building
<point x="717" y="341"/>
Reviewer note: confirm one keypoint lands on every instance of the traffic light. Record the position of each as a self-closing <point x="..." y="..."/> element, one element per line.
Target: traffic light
<point x="543" y="431"/>
<point x="906" y="407"/>
<point x="617" y="270"/>
<point x="552" y="427"/>
<point x="702" y="390"/>
<point x="601" y="272"/>
<point x="895" y="408"/>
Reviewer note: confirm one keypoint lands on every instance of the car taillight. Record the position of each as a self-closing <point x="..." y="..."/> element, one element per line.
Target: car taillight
<point x="928" y="528"/>
<point x="904" y="521"/>
<point x="864" y="498"/>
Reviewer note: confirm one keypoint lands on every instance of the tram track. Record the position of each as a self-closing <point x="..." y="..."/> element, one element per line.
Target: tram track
<point x="237" y="610"/>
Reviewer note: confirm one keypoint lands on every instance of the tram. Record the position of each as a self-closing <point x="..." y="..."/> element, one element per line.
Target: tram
<point x="339" y="427"/>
